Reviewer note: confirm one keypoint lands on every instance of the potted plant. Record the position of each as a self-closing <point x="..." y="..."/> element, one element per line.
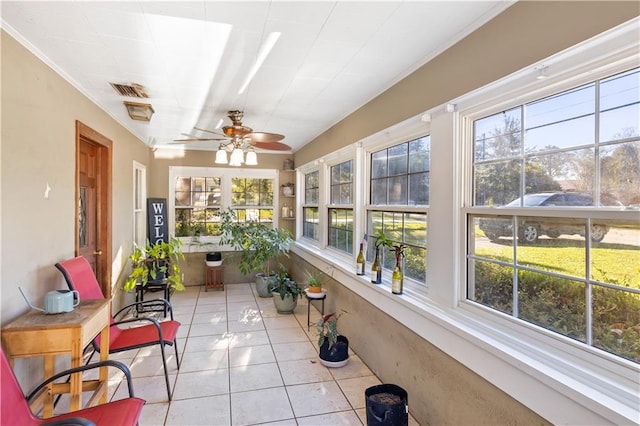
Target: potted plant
<point x="258" y="245"/>
<point x="285" y="292"/>
<point x="156" y="261"/>
<point x="333" y="347"/>
<point x="314" y="282"/>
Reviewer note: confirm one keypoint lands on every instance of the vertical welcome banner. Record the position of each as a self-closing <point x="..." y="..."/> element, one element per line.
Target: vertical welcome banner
<point x="157" y="228"/>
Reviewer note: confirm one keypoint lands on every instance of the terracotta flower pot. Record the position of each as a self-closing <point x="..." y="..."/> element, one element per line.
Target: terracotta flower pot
<point x="314" y="289"/>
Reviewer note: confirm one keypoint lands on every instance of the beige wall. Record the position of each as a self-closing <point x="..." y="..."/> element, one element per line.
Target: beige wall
<point x="39" y="112"/>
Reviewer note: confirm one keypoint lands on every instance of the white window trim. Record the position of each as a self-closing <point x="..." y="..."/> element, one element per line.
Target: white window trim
<point x="226" y="174"/>
<point x="301" y="202"/>
<point x="139" y="195"/>
<point x="605" y="384"/>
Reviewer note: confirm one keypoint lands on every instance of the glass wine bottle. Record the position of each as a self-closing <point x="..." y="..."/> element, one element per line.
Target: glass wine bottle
<point x="376" y="269"/>
<point x="397" y="277"/>
<point x="360" y="262"/>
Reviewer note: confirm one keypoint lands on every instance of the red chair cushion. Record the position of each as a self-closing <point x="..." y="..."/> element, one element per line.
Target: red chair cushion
<point x="121" y="412"/>
<point x="145" y="335"/>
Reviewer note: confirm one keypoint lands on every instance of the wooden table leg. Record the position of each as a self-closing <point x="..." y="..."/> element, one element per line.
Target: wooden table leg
<point x="47" y="409"/>
<point x="75" y="391"/>
<point x="104" y="355"/>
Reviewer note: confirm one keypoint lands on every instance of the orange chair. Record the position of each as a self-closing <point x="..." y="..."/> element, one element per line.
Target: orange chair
<point x="14" y="407"/>
<point x="79" y="276"/>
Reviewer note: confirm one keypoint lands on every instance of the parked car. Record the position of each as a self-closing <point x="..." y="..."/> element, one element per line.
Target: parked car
<point x="532" y="228"/>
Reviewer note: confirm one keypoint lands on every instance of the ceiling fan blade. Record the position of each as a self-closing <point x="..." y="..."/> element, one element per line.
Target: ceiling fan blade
<point x="264" y="137"/>
<point x="272" y="146"/>
<point x="198" y="140"/>
<point x="209" y="131"/>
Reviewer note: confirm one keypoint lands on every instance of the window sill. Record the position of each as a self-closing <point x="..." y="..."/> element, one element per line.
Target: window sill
<point x="555" y="377"/>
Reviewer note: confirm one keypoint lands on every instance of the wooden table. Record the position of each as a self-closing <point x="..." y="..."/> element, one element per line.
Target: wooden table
<point x="38" y="334"/>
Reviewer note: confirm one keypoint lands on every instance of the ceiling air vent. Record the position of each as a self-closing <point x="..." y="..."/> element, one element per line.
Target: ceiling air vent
<point x="132" y="90"/>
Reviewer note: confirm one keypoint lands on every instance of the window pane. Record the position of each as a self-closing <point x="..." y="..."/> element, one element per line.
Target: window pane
<point x="491" y="285"/>
<point x="341" y="229"/>
<point x="620" y="174"/>
<point x="310" y="222"/>
<point x="553" y="303"/>
<point x="379" y="191"/>
<point x="568" y="170"/>
<point x="398" y="160"/>
<point x="398" y="190"/>
<point x="415" y="229"/>
<point x="311" y="196"/>
<point x="486" y="242"/>
<point x="341" y="183"/>
<point x="561" y="121"/>
<point x="616" y="259"/>
<point x="419" y="189"/>
<point x="402" y="228"/>
<point x="311" y="189"/>
<point x="419" y="155"/>
<point x="619" y="106"/>
<point x="335" y="175"/>
<point x="252" y="192"/>
<point x="616" y="315"/>
<point x="183" y="222"/>
<point x="379" y="164"/>
<point x="498" y="135"/>
<point x="497" y="183"/>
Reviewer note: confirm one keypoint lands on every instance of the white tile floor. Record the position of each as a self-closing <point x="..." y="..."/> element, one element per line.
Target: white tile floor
<point x="245" y="364"/>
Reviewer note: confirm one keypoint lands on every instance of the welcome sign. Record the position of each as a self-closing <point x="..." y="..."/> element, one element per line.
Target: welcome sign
<point x="157" y="228"/>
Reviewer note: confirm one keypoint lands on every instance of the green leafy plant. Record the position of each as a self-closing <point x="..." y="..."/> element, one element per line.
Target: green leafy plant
<point x="154" y="261"/>
<point x="314" y="279"/>
<point x="283" y="285"/>
<point x="382" y="240"/>
<point x="327" y="328"/>
<point x="257" y="243"/>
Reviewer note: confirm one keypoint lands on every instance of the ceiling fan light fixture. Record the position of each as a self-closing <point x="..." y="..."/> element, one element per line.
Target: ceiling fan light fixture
<point x="237" y="157"/>
<point x="252" y="158"/>
<point x="221" y="155"/>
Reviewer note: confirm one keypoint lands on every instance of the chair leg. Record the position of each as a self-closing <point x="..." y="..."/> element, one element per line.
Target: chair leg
<point x="166" y="372"/>
<point x="175" y="346"/>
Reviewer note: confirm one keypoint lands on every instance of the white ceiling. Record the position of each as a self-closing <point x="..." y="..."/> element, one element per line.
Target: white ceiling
<point x="192" y="57"/>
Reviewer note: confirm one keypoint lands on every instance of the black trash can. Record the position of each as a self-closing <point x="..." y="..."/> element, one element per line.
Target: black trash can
<point x="387" y="405"/>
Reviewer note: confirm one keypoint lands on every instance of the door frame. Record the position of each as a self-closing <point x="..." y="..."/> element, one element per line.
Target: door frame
<point x="103" y="201"/>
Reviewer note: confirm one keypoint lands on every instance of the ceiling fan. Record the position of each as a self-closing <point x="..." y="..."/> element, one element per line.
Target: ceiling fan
<point x="240" y="136"/>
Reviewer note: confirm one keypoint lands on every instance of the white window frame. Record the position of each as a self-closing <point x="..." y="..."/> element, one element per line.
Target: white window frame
<point x="328" y="161"/>
<point x="350" y="206"/>
<point x="402" y="133"/>
<point x="303" y="203"/>
<point x="139" y="204"/>
<point x="225" y="174"/>
<point x="602" y="382"/>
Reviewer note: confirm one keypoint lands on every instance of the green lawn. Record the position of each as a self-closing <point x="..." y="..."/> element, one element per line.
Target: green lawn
<point x="608" y="264"/>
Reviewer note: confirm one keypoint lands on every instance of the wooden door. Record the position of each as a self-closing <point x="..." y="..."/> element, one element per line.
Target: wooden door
<point x="93" y="203"/>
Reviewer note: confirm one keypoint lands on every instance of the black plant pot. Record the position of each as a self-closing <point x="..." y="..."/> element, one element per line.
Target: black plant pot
<point x="387" y="405"/>
<point x="214" y="256"/>
<point x="337" y="355"/>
